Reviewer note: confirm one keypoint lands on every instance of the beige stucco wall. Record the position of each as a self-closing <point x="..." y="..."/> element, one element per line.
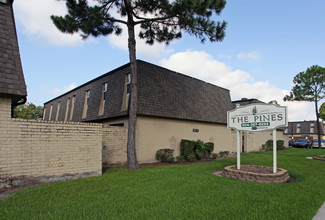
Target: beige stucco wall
<point x="41" y="148"/>
<point x="157" y="133"/>
<point x="254" y="141"/>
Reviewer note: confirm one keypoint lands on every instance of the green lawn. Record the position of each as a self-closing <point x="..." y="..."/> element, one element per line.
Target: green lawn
<point x="179" y="192"/>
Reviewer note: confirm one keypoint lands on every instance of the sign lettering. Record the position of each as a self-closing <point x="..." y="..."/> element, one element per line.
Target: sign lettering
<point x="257" y="117"/>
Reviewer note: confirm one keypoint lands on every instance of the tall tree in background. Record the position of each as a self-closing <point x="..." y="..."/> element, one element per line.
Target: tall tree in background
<point x="28" y="111"/>
<point x="322" y="111"/>
<point x="309" y="86"/>
<point x="159" y="20"/>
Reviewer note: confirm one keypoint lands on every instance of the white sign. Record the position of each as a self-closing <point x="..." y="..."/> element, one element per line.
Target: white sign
<point x="257" y="117"/>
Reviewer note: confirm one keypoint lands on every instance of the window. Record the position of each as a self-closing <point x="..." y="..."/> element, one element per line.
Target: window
<point x="127" y="100"/>
<point x="126" y="93"/>
<point x="67" y="110"/>
<point x="298" y="128"/>
<point x="72" y="107"/>
<point x="102" y="99"/>
<point x="57" y="112"/>
<point x="84" y="112"/>
<point x="50" y="115"/>
<point x="44" y="113"/>
<point x="128" y="78"/>
<point x="312" y="130"/>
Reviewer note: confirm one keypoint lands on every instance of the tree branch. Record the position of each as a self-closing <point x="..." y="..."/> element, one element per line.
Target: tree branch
<point x="116" y="20"/>
<point x="145" y="20"/>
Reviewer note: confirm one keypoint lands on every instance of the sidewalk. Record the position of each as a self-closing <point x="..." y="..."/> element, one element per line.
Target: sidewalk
<point x="320" y="215"/>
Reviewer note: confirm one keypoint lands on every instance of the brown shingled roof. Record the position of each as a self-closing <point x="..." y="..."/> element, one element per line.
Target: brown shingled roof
<point x="166" y="93"/>
<point x="12" y="80"/>
<point x="161" y="93"/>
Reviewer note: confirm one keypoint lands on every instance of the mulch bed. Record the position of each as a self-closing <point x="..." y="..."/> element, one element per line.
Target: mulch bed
<point x="319" y="158"/>
<point x="156" y="164"/>
<point x="7" y="191"/>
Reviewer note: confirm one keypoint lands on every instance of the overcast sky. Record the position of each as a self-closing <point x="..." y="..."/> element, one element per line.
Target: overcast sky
<point x="267" y="43"/>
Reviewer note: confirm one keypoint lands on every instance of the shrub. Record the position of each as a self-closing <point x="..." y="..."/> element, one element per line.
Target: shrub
<point x="280" y="148"/>
<point x="280" y="143"/>
<point x="199" y="149"/>
<point x="191" y="157"/>
<point x="209" y="147"/>
<point x="171" y="160"/>
<point x="223" y="153"/>
<point x="187" y="148"/>
<point x="214" y="156"/>
<point x="269" y="143"/>
<point x="180" y="158"/>
<point x="269" y="148"/>
<point x="164" y="154"/>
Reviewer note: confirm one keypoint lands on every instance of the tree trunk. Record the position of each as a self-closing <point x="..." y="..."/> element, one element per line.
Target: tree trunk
<point x="131" y="147"/>
<point x="318" y="129"/>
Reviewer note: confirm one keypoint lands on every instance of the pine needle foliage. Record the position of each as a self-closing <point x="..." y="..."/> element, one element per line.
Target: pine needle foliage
<point x="309" y="86"/>
<point x="159" y="21"/>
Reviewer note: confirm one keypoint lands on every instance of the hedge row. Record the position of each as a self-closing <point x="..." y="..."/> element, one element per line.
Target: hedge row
<point x="269" y="145"/>
<point x="193" y="150"/>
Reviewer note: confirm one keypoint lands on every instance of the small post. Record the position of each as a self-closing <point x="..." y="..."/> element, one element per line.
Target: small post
<point x="238" y="150"/>
<point x="274" y="151"/>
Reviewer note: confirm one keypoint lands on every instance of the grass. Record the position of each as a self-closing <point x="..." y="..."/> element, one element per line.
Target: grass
<point x="179" y="192"/>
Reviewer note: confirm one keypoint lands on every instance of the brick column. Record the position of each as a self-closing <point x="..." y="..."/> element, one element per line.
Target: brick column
<point x="5" y="110"/>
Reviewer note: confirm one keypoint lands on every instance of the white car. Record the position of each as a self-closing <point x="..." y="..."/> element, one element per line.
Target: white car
<point x="315" y="143"/>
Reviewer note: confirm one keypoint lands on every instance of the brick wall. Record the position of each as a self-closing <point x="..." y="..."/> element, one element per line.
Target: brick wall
<point x="41" y="148"/>
<point x="114" y="145"/>
<point x="5" y="110"/>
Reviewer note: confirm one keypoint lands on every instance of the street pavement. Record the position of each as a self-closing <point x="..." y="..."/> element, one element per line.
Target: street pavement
<point x="320" y="215"/>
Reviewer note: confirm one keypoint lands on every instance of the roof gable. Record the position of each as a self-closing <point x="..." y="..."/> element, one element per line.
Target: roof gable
<point x="12" y="80"/>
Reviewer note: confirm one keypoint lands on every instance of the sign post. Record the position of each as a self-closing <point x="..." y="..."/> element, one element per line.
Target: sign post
<point x="256" y="118"/>
<point x="238" y="150"/>
<point x="274" y="151"/>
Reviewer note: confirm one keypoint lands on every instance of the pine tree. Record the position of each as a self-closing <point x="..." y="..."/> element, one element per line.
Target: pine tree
<point x="159" y="21"/>
<point x="309" y="86"/>
<point x="322" y="111"/>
